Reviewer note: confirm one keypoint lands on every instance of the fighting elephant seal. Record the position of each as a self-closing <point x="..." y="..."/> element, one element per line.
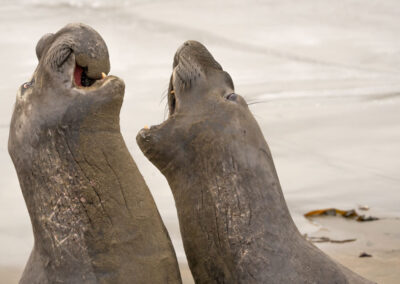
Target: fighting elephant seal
<point x="235" y="224"/>
<point x="93" y="217"/>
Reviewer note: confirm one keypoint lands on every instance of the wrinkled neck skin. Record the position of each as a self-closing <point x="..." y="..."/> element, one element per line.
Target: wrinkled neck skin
<point x="237" y="209"/>
<point x="93" y="217"/>
<point x="235" y="224"/>
<point x="48" y="150"/>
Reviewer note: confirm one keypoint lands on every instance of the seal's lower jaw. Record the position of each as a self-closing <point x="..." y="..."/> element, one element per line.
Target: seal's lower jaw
<point x="143" y="139"/>
<point x="149" y="143"/>
<point x="147" y="137"/>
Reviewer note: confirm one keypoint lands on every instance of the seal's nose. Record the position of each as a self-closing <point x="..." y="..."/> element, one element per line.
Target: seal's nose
<point x="191" y="47"/>
<point x="195" y="52"/>
<point x="90" y="50"/>
<point x="42" y="44"/>
<point x="87" y="46"/>
<point x="192" y="43"/>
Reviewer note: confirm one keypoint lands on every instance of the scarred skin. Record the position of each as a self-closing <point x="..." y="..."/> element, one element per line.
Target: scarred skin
<point x="235" y="224"/>
<point x="93" y="217"/>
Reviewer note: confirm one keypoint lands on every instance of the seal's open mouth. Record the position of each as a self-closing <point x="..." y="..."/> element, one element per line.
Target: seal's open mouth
<point x="171" y="98"/>
<point x="81" y="78"/>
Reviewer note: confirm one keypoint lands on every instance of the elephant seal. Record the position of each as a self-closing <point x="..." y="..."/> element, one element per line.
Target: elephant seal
<point x="93" y="217"/>
<point x="235" y="224"/>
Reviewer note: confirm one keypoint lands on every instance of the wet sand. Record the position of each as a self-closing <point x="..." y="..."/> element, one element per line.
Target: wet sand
<point x="379" y="239"/>
<point x="321" y="78"/>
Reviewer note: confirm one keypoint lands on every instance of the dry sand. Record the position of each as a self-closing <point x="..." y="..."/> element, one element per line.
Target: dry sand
<point x="323" y="78"/>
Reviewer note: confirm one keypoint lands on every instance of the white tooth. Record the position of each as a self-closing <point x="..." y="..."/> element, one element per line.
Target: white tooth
<point x="146" y="127"/>
<point x="103" y="75"/>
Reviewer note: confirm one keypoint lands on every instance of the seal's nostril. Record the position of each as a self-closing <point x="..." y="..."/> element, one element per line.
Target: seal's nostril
<point x="187" y="43"/>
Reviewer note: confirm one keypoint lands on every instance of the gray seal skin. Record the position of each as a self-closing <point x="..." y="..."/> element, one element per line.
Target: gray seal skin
<point x="93" y="217"/>
<point x="235" y="224"/>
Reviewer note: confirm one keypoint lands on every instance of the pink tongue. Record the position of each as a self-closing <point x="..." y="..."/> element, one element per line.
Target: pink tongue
<point x="78" y="75"/>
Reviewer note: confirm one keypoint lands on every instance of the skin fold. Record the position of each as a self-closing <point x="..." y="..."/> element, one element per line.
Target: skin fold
<point x="235" y="224"/>
<point x="93" y="217"/>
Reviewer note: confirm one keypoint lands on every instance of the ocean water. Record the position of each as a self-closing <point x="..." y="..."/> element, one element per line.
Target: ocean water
<point x="321" y="77"/>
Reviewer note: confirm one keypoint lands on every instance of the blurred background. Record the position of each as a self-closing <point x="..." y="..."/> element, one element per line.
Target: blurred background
<point x="321" y="78"/>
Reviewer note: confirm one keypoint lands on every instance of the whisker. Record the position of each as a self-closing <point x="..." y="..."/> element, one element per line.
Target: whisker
<point x="163" y="97"/>
<point x="164" y="94"/>
<point x="256" y="102"/>
<point x="251" y="100"/>
<point x="259" y="117"/>
<point x="166" y="112"/>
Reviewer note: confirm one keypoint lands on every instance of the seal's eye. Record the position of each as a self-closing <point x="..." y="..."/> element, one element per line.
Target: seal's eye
<point x="26" y="86"/>
<point x="231" y="97"/>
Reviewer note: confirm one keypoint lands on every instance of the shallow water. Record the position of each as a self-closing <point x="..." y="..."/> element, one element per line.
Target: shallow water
<point x="322" y="79"/>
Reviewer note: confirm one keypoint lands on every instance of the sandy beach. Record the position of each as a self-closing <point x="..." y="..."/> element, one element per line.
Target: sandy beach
<point x="322" y="79"/>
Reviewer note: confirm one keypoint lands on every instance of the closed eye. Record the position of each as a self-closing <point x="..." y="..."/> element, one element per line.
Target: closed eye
<point x="231" y="97"/>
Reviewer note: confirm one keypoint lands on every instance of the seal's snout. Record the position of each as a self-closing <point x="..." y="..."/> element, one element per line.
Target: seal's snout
<point x="192" y="64"/>
<point x="76" y="51"/>
<point x="196" y="53"/>
<point x="90" y="50"/>
<point x="92" y="60"/>
<point x="73" y="64"/>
